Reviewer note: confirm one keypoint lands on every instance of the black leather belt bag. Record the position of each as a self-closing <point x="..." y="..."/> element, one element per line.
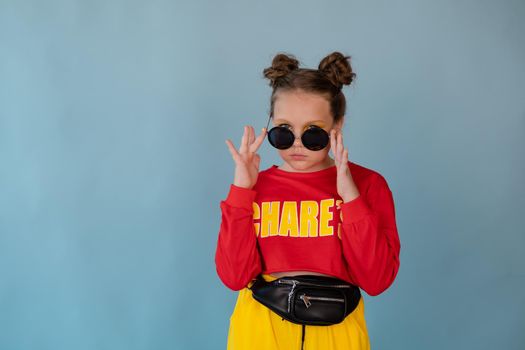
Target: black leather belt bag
<point x="307" y="299"/>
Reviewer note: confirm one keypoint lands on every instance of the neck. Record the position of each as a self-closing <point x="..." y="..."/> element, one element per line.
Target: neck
<point x="327" y="163"/>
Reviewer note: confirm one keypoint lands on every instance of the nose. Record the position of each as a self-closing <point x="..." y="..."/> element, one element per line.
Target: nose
<point x="297" y="141"/>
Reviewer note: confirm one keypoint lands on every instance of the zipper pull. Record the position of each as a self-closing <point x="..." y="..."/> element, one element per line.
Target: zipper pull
<point x="306" y="300"/>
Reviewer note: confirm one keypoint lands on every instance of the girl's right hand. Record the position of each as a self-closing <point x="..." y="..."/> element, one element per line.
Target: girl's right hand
<point x="246" y="160"/>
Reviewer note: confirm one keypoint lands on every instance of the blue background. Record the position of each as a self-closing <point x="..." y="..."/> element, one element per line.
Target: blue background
<point x="113" y="116"/>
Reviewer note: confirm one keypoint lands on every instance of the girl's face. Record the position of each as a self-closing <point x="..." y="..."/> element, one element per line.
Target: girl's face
<point x="298" y="110"/>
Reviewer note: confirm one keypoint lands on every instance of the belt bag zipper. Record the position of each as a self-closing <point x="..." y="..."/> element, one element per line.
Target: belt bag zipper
<point x="294" y="282"/>
<point x="306" y="299"/>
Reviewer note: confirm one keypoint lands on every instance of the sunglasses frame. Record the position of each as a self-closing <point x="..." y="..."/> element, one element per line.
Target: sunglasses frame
<point x="325" y="133"/>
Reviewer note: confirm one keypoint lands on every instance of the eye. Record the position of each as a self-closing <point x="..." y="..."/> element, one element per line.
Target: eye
<point x="313" y="127"/>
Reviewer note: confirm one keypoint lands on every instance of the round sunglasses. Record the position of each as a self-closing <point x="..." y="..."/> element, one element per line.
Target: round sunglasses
<point x="314" y="138"/>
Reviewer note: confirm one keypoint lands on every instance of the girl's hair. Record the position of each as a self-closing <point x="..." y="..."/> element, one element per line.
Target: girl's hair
<point x="334" y="71"/>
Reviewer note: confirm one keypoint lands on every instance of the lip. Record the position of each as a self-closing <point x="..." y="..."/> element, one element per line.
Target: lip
<point x="299" y="156"/>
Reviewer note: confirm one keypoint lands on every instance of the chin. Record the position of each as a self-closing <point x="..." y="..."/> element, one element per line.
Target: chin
<point x="301" y="164"/>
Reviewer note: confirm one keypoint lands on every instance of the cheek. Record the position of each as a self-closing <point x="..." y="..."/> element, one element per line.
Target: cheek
<point x="322" y="153"/>
<point x="318" y="154"/>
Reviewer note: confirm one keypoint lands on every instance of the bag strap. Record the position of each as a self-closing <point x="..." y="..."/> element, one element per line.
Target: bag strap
<point x="302" y="337"/>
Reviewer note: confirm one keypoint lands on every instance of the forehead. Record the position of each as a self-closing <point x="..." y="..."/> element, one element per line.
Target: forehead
<point x="301" y="107"/>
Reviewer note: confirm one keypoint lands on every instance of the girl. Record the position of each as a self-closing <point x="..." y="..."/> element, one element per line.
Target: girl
<point x="312" y="215"/>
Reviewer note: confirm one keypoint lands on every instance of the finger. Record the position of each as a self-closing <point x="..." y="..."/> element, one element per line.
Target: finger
<point x="258" y="141"/>
<point x="244" y="141"/>
<point x="342" y="149"/>
<point x="233" y="151"/>
<point x="340" y="146"/>
<point x="338" y="159"/>
<point x="344" y="161"/>
<point x="247" y="139"/>
<point x="252" y="135"/>
<point x="342" y="158"/>
<point x="257" y="161"/>
<point x="333" y="144"/>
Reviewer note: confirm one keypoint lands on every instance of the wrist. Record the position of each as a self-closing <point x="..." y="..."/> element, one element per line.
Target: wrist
<point x="242" y="186"/>
<point x="241" y="197"/>
<point x="348" y="197"/>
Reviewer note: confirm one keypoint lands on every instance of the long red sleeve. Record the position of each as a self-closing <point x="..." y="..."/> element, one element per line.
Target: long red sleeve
<point x="370" y="239"/>
<point x="237" y="258"/>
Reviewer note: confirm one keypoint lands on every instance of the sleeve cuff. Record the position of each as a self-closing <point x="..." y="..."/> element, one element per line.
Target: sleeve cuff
<point x="355" y="210"/>
<point x="241" y="197"/>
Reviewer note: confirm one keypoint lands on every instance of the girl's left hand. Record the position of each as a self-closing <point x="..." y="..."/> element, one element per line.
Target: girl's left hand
<point x="346" y="187"/>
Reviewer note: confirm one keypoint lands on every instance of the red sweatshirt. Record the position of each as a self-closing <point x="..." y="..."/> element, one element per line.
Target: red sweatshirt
<point x="297" y="221"/>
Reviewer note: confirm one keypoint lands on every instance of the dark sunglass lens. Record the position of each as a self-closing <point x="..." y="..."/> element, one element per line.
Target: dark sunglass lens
<point x="315" y="139"/>
<point x="281" y="137"/>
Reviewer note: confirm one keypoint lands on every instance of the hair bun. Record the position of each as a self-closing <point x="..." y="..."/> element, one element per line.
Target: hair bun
<point x="337" y="68"/>
<point x="282" y="64"/>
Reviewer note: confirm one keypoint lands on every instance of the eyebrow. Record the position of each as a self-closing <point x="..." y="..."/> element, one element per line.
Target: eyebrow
<point x="310" y="121"/>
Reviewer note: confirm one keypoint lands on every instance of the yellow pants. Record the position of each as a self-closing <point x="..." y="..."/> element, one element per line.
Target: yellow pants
<point x="253" y="326"/>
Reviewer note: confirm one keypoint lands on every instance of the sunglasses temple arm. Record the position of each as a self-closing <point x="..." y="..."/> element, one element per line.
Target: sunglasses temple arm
<point x="268" y="123"/>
